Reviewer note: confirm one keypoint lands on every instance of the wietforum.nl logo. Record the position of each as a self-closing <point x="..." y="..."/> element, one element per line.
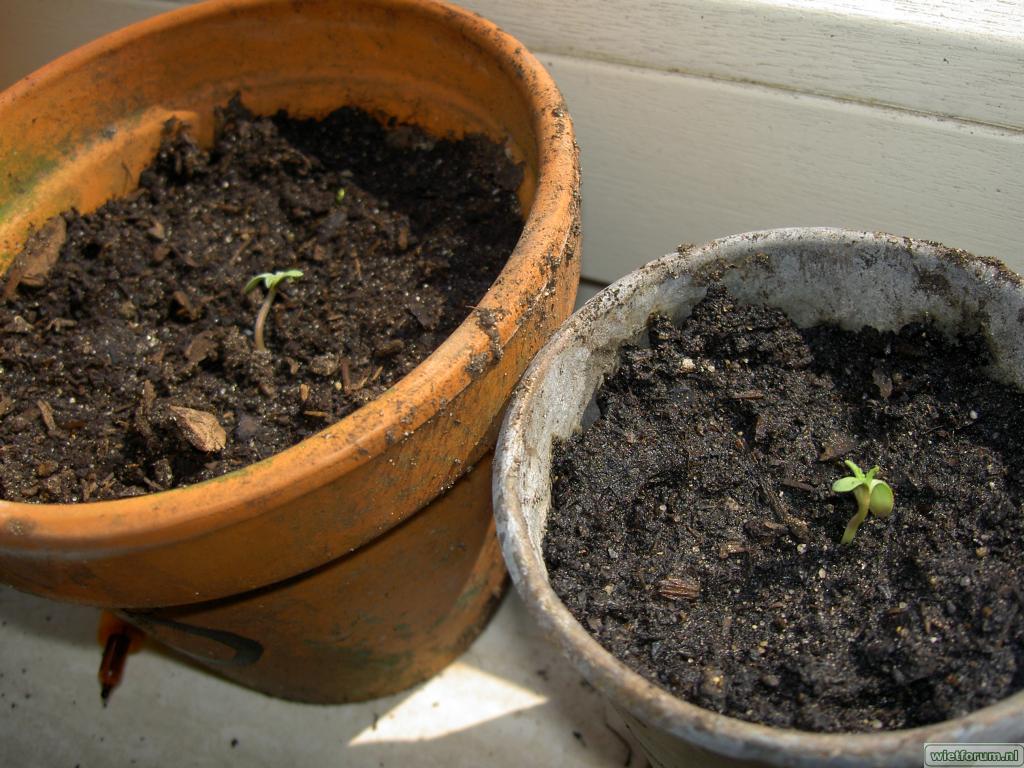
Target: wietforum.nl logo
<point x="974" y="755"/>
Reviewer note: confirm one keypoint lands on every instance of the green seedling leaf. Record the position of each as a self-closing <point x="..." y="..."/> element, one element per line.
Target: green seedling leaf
<point x="272" y="279"/>
<point x="874" y="496"/>
<point x="340" y="196"/>
<point x="881" y="499"/>
<point x="855" y="469"/>
<point x="845" y="484"/>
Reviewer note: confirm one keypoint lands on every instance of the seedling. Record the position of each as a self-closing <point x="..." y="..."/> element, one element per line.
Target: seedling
<point x="270" y="280"/>
<point x="872" y="495"/>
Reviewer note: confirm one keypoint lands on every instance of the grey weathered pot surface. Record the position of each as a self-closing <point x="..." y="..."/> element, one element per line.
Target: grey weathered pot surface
<point x="815" y="275"/>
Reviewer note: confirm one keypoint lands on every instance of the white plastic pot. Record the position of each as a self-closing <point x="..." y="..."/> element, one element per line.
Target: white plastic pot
<point x="814" y="275"/>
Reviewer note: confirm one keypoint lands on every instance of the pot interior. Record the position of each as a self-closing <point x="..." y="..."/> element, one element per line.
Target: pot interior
<point x="815" y="276"/>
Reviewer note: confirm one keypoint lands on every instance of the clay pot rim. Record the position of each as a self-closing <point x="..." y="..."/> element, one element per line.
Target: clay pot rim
<point x="647" y="702"/>
<point x="415" y="399"/>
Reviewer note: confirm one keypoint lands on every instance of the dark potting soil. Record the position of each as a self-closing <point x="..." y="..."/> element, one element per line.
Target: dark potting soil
<point x="694" y="532"/>
<point x="126" y="341"/>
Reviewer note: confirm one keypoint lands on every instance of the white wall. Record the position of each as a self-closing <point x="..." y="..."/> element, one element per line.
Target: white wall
<point x="700" y="118"/>
<point x="33" y="32"/>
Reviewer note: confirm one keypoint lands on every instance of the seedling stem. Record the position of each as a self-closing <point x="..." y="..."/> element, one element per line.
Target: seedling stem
<point x="270" y="280"/>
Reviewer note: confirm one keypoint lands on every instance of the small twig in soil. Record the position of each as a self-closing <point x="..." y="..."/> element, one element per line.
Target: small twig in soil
<point x="679" y="589"/>
<point x="346" y="376"/>
<point x="362" y="383"/>
<point x="728" y="548"/>
<point x="242" y="246"/>
<point x="952" y="428"/>
<point x="47" y="414"/>
<point x="153" y="484"/>
<point x="157" y="231"/>
<point x="60" y="323"/>
<point x="271" y="281"/>
<point x="185" y="306"/>
<point x="748" y="394"/>
<point x="772" y="500"/>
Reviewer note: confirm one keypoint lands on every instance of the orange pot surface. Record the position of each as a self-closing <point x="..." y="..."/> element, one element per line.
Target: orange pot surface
<point x="79" y="131"/>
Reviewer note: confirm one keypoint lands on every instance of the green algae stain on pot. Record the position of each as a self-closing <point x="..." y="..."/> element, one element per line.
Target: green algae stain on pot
<point x="19" y="177"/>
<point x="80" y="168"/>
<point x="404" y="631"/>
<point x="21" y="172"/>
<point x="469" y="596"/>
<point x="464" y="601"/>
<point x="364" y="659"/>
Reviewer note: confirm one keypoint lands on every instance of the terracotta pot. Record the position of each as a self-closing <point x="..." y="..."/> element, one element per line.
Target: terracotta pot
<point x="363" y="559"/>
<point x="814" y="275"/>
